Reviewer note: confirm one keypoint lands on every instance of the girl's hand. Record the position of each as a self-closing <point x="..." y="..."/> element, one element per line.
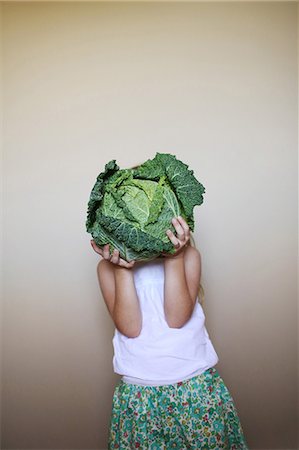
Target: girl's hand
<point x="182" y="237"/>
<point x="114" y="258"/>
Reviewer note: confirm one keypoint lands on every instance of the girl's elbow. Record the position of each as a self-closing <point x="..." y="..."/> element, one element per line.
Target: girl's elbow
<point x="132" y="333"/>
<point x="175" y="323"/>
<point x="178" y="320"/>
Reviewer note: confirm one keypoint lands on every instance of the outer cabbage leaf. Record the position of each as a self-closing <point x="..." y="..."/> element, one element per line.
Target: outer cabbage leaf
<point x="97" y="193"/>
<point x="134" y="237"/>
<point x="102" y="237"/>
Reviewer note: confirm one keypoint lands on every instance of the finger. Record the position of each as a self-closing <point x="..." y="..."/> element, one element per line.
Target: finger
<point x="115" y="256"/>
<point x="131" y="263"/>
<point x="186" y="238"/>
<point x="173" y="238"/>
<point x="184" y="225"/>
<point x="106" y="252"/>
<point x="96" y="248"/>
<point x="179" y="229"/>
<point x="126" y="264"/>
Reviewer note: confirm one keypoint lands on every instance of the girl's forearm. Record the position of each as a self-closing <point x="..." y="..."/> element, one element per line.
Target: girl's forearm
<point x="178" y="304"/>
<point x="126" y="312"/>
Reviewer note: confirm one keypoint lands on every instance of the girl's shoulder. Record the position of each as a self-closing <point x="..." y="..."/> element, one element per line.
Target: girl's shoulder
<point x="105" y="273"/>
<point x="104" y="266"/>
<point x="192" y="259"/>
<point x="192" y="253"/>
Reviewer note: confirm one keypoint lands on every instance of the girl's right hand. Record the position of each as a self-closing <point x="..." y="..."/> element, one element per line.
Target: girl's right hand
<point x="114" y="258"/>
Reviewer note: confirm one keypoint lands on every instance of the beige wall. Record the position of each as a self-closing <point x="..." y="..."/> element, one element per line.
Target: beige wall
<point x="215" y="84"/>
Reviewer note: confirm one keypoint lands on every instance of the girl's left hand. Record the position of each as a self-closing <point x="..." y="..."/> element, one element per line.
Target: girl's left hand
<point x="182" y="237"/>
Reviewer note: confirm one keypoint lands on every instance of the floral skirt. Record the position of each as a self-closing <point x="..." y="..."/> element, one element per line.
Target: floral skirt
<point x="198" y="413"/>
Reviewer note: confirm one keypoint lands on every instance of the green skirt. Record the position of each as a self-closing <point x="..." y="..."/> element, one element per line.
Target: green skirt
<point x="198" y="413"/>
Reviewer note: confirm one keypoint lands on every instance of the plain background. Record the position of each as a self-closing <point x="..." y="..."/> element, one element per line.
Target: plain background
<point x="215" y="84"/>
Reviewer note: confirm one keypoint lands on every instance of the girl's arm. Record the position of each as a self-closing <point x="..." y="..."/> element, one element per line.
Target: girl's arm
<point x="118" y="289"/>
<point x="182" y="277"/>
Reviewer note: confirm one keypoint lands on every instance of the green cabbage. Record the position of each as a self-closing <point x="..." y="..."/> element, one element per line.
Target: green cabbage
<point x="131" y="209"/>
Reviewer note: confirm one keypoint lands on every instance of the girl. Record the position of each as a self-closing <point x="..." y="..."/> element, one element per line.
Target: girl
<point x="170" y="395"/>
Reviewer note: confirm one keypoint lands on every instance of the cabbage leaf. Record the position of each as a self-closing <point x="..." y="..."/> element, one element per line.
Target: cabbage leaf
<point x="131" y="209"/>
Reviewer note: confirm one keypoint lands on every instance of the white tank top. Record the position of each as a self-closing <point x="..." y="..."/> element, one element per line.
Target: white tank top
<point x="161" y="355"/>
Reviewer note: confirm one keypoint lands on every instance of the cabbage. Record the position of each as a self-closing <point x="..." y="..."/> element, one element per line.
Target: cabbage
<point x="131" y="209"/>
